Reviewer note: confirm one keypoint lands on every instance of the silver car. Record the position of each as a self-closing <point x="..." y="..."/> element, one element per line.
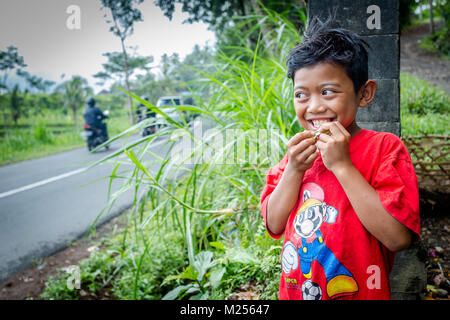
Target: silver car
<point x="164" y="104"/>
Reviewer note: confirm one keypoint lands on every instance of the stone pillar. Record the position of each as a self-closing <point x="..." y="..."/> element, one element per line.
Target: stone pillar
<point x="377" y="21"/>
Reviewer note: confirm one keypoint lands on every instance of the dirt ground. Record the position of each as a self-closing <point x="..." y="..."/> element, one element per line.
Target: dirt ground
<point x="422" y="64"/>
<point x="30" y="283"/>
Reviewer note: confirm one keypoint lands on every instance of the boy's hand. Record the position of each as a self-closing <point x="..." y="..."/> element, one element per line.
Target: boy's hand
<point x="334" y="148"/>
<point x="302" y="152"/>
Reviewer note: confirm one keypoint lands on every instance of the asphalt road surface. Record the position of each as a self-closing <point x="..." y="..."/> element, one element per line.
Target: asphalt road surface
<point x="47" y="203"/>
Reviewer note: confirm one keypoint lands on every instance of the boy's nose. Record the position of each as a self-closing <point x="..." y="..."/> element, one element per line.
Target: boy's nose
<point x="316" y="106"/>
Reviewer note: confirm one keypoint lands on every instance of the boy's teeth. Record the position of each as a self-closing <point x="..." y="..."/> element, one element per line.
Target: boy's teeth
<point x="318" y="123"/>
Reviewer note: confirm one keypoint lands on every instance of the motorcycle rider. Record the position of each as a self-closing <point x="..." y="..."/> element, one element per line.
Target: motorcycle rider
<point x="143" y="112"/>
<point x="93" y="117"/>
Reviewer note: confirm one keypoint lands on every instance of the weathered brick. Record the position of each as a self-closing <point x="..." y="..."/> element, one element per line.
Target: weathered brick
<point x="353" y="14"/>
<point x="384" y="56"/>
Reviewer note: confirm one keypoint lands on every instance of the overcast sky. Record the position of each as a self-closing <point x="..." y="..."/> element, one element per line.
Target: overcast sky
<point x="38" y="29"/>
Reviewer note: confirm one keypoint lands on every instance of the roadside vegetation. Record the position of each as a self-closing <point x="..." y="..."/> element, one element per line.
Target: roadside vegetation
<point x="437" y="41"/>
<point x="52" y="130"/>
<point x="197" y="233"/>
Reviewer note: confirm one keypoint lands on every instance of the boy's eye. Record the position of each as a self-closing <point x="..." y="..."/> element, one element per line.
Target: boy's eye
<point x="300" y="95"/>
<point x="327" y="92"/>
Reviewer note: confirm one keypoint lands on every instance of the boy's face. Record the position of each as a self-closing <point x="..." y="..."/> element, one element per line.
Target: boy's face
<point x="323" y="93"/>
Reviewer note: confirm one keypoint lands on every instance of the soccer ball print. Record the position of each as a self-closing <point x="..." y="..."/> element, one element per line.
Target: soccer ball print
<point x="311" y="291"/>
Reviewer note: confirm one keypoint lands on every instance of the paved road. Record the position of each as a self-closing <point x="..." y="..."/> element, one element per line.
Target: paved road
<point x="49" y="202"/>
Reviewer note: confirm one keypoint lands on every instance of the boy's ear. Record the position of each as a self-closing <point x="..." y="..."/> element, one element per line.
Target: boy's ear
<point x="367" y="93"/>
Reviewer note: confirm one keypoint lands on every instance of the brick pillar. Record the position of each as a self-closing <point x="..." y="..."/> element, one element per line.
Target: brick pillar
<point x="377" y="21"/>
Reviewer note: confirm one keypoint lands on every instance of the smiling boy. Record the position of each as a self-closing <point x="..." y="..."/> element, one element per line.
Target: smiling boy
<point x="345" y="198"/>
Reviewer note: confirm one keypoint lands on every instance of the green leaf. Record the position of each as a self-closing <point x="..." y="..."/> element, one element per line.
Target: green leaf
<point x="203" y="261"/>
<point x="218" y="245"/>
<point x="216" y="277"/>
<point x="240" y="255"/>
<point x="173" y="294"/>
<point x="189" y="273"/>
<point x="170" y="278"/>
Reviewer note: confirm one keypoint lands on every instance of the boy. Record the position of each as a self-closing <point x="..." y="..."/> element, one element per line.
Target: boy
<point x="345" y="198"/>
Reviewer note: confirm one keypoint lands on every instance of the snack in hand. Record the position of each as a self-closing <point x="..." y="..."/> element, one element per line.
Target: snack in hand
<point x="317" y="133"/>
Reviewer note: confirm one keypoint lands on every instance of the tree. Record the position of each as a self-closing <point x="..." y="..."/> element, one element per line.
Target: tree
<point x="115" y="68"/>
<point x="74" y="92"/>
<point x="9" y="60"/>
<point x="35" y="82"/>
<point x="406" y="11"/>
<point x="217" y="13"/>
<point x="124" y="15"/>
<point x="430" y="2"/>
<point x="15" y="102"/>
<point x="174" y="76"/>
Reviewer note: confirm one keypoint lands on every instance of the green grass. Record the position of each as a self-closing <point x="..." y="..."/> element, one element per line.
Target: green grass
<point x="24" y="144"/>
<point x="425" y="109"/>
<point x="414" y="124"/>
<point x="48" y="133"/>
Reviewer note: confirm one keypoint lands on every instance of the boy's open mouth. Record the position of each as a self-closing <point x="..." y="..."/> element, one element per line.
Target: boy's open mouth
<point x="316" y="123"/>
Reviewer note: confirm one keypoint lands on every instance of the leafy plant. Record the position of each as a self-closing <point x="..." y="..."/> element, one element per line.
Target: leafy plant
<point x="201" y="281"/>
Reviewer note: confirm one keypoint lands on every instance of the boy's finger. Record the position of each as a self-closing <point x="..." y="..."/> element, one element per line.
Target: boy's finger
<point x="324" y="137"/>
<point x="333" y="129"/>
<point x="338" y="131"/>
<point x="302" y="146"/>
<point x="320" y="144"/>
<point x="311" y="158"/>
<point x="299" y="137"/>
<point x="342" y="129"/>
<point x="303" y="155"/>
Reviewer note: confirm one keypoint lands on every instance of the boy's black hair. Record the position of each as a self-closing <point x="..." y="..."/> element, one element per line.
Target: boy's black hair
<point x="326" y="42"/>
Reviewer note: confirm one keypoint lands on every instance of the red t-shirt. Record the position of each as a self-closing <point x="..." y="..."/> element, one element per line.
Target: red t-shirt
<point x="327" y="252"/>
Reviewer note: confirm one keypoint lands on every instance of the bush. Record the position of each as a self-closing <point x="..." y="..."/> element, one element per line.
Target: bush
<point x="41" y="133"/>
<point x="111" y="271"/>
<point x="420" y="97"/>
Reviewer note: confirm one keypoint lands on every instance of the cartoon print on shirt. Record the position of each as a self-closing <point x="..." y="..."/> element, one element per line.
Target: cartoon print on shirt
<point x="307" y="222"/>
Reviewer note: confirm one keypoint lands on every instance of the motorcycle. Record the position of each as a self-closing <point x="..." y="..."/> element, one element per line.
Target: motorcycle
<point x="94" y="136"/>
<point x="146" y="130"/>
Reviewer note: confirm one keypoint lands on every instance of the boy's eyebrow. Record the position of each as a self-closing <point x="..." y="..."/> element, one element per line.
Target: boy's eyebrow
<point x="336" y="84"/>
<point x="299" y="87"/>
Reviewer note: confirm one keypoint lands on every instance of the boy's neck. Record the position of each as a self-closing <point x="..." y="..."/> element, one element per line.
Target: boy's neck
<point x="353" y="128"/>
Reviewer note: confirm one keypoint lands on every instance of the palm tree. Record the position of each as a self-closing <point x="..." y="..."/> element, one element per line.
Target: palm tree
<point x="75" y="91"/>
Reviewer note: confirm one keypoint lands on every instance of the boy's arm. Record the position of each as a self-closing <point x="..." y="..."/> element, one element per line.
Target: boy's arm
<point x="282" y="200"/>
<point x="367" y="205"/>
<point x="302" y="154"/>
<point x="363" y="197"/>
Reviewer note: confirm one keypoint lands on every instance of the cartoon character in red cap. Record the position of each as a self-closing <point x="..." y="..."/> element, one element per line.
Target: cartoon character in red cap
<point x="313" y="212"/>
